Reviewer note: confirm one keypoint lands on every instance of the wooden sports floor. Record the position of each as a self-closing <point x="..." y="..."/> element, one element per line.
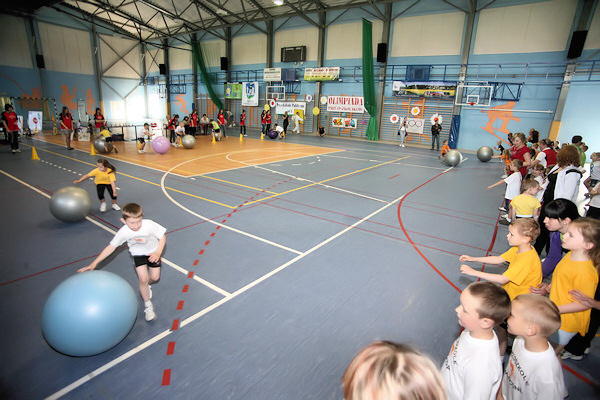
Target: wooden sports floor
<point x="283" y="260"/>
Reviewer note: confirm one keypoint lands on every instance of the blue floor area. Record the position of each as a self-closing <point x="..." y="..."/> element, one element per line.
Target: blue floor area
<point x="297" y="265"/>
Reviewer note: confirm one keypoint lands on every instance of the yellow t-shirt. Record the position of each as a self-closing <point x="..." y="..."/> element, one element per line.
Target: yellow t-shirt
<point x="105" y="133"/>
<point x="569" y="275"/>
<point x="103" y="178"/>
<point x="525" y="204"/>
<point x="525" y="270"/>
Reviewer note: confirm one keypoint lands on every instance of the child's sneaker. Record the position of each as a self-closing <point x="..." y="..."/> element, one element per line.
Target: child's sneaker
<point x="565" y="355"/>
<point x="103" y="207"/>
<point x="116" y="207"/>
<point x="502" y="209"/>
<point x="149" y="313"/>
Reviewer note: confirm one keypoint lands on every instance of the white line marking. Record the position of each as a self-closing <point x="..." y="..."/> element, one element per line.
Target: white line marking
<point x="208" y="309"/>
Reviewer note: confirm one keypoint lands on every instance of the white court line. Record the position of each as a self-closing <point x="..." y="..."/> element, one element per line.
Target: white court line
<point x="93" y="221"/>
<point x="213" y="306"/>
<point x="162" y="185"/>
<point x="394" y="163"/>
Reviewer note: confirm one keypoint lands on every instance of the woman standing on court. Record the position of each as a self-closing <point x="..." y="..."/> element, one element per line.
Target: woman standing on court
<point x="520" y="151"/>
<point x="66" y="126"/>
<point x="11" y="127"/>
<point x="99" y="121"/>
<point x="563" y="183"/>
<point x="263" y="121"/>
<point x="194" y="119"/>
<point x="286" y="122"/>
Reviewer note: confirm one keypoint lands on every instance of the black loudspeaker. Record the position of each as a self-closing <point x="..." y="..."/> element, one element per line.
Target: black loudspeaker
<point x="577" y="42"/>
<point x="382" y="52"/>
<point x="162" y="68"/>
<point x="39" y="59"/>
<point x="224" y="64"/>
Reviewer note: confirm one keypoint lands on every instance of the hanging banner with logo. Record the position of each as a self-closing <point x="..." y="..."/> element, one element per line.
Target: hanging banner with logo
<point x="351" y="104"/>
<point x="424" y="89"/>
<point x="415" y="125"/>
<point x="233" y="90"/>
<point x="272" y="74"/>
<point x="34" y="121"/>
<point x="344" y="123"/>
<point x="250" y="93"/>
<point x="291" y="107"/>
<point x="322" y="74"/>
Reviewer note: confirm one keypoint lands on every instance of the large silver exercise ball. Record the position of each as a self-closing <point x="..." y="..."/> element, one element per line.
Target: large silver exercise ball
<point x="70" y="204"/>
<point x="485" y="153"/>
<point x="188" y="141"/>
<point x="453" y="158"/>
<point x="99" y="145"/>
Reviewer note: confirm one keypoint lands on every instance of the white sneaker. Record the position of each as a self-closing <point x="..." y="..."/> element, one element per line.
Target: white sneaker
<point x="18" y="151"/>
<point x="403" y="146"/>
<point x="149" y="313"/>
<point x="565" y="355"/>
<point x="116" y="207"/>
<point x="502" y="209"/>
<point x="103" y="207"/>
<point x="141" y="151"/>
<point x="504" y="215"/>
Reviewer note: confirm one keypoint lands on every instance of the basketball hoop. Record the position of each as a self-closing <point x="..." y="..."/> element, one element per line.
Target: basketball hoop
<point x="471" y="103"/>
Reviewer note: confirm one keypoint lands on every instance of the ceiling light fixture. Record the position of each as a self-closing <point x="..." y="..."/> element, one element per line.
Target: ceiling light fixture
<point x="278" y="2"/>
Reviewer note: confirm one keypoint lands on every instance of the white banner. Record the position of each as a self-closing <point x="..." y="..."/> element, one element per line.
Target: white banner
<point x="414" y="125"/>
<point x="346" y="104"/>
<point x="290" y="106"/>
<point x="249" y="93"/>
<point x="272" y="74"/>
<point x="34" y="121"/>
<point x="322" y="74"/>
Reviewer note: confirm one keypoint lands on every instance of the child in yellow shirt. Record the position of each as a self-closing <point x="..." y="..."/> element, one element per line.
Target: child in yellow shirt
<point x="104" y="178"/>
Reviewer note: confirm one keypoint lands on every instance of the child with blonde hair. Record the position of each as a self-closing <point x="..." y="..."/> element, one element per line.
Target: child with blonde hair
<point x="576" y="271"/>
<point x="533" y="370"/>
<point x="513" y="183"/>
<point x="386" y="370"/>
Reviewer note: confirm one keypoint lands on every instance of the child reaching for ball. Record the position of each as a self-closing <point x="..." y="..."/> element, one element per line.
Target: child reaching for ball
<point x="104" y="178"/>
<point x="146" y="240"/>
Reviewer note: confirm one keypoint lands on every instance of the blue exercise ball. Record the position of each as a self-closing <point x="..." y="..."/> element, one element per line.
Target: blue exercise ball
<point x="273" y="134"/>
<point x="89" y="313"/>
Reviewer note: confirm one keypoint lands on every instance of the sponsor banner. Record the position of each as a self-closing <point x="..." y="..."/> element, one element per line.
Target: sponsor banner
<point x="34" y="121"/>
<point x="233" y="90"/>
<point x="424" y="89"/>
<point x="250" y="93"/>
<point x="291" y="107"/>
<point x="272" y="74"/>
<point x="344" y="123"/>
<point x="352" y="104"/>
<point x="414" y="125"/>
<point x="322" y="74"/>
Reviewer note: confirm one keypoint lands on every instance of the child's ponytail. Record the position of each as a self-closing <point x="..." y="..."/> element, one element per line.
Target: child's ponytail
<point x="106" y="164"/>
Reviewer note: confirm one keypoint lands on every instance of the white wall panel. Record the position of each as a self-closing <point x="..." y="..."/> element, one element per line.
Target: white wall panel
<point x="531" y="28"/>
<point x="250" y="49"/>
<point x="428" y="35"/>
<point x="14" y="44"/>
<point x="308" y="37"/>
<point x="66" y="49"/>
<point x="593" y="37"/>
<point x="345" y="40"/>
<point x="180" y="59"/>
<point x="213" y="51"/>
<point x="113" y="47"/>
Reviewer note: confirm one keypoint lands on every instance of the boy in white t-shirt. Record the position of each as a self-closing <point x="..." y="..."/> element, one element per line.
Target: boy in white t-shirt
<point x="533" y="370"/>
<point x="180" y="132"/>
<point x="146" y="240"/>
<point x="473" y="369"/>
<point x="147" y="135"/>
<point x="513" y="184"/>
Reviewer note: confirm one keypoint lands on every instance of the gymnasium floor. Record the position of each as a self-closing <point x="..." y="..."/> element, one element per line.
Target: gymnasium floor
<point x="283" y="259"/>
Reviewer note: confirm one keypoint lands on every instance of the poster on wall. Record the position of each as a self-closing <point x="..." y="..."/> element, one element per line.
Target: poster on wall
<point x="352" y="104"/>
<point x="291" y="107"/>
<point x="233" y="91"/>
<point x="250" y="93"/>
<point x="437" y="89"/>
<point x="272" y="74"/>
<point x="344" y="123"/>
<point x="322" y="74"/>
<point x="34" y="121"/>
<point x="414" y="125"/>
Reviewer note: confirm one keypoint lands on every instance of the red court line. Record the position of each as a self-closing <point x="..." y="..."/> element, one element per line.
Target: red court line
<point x="449" y="216"/>
<point x="185" y="288"/>
<point x="171" y="348"/>
<point x="413" y="243"/>
<point x="166" y="380"/>
<point x="578" y="375"/>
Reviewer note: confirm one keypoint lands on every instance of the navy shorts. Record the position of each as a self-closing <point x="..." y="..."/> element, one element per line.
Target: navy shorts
<point x="143" y="260"/>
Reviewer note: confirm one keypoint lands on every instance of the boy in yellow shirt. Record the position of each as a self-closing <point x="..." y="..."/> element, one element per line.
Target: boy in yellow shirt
<point x="525" y="205"/>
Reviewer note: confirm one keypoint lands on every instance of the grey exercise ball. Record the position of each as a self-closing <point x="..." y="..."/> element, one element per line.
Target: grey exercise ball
<point x="485" y="153"/>
<point x="70" y="204"/>
<point x="99" y="145"/>
<point x="453" y="158"/>
<point x="188" y="141"/>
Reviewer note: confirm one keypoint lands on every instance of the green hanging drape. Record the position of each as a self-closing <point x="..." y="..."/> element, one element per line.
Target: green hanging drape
<point x="199" y="59"/>
<point x="369" y="80"/>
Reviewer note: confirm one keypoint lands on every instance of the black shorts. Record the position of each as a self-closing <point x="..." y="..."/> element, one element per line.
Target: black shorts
<point x="141" y="140"/>
<point x="108" y="139"/>
<point x="143" y="260"/>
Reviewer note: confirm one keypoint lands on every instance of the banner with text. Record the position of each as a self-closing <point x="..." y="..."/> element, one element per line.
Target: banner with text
<point x="250" y="93"/>
<point x="424" y="89"/>
<point x="414" y="125"/>
<point x="346" y="104"/>
<point x="272" y="74"/>
<point x="322" y="74"/>
<point x="233" y="90"/>
<point x="291" y="107"/>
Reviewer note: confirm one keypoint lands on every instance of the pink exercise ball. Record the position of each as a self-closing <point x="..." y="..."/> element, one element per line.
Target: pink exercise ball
<point x="161" y="145"/>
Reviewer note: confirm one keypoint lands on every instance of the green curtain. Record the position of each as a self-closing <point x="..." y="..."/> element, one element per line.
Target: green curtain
<point x="199" y="59"/>
<point x="369" y="80"/>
